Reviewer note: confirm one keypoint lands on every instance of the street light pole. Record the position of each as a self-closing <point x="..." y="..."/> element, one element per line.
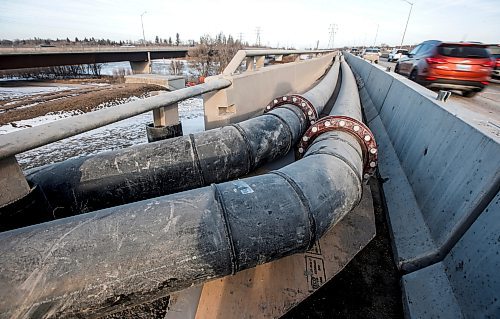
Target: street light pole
<point x="142" y="24"/>
<point x="411" y="7"/>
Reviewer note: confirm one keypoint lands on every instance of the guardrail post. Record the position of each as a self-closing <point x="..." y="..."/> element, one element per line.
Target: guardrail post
<point x="166" y="123"/>
<point x="13" y="184"/>
<point x="259" y="63"/>
<point x="250" y="63"/>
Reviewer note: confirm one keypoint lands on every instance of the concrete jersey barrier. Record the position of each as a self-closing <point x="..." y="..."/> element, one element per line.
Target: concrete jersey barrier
<point x="441" y="175"/>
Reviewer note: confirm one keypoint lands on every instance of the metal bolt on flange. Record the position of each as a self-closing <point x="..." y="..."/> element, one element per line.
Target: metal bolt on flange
<point x="299" y="101"/>
<point x="352" y="126"/>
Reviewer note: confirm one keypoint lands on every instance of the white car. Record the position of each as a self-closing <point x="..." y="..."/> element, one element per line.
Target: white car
<point x="371" y="54"/>
<point x="396" y="54"/>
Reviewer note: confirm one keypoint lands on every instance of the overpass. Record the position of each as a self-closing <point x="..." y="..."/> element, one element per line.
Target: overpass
<point x="139" y="57"/>
<point x="438" y="169"/>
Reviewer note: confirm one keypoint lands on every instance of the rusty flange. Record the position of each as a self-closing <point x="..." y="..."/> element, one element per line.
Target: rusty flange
<point x="354" y="127"/>
<point x="297" y="100"/>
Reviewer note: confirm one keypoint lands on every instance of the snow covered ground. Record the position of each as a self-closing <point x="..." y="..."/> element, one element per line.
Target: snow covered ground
<point x="111" y="137"/>
<point x="22" y="91"/>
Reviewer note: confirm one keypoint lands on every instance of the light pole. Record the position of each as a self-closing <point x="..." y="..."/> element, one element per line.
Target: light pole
<point x="411" y="7"/>
<point x="142" y="24"/>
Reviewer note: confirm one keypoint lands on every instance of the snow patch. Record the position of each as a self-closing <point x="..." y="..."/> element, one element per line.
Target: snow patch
<point x="7" y="93"/>
<point x="114" y="136"/>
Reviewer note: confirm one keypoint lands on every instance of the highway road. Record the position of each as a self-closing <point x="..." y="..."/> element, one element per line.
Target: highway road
<point x="485" y="103"/>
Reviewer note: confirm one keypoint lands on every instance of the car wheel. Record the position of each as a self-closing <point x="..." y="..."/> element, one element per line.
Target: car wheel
<point x="469" y="93"/>
<point x="396" y="68"/>
<point x="376" y="61"/>
<point x="413" y="75"/>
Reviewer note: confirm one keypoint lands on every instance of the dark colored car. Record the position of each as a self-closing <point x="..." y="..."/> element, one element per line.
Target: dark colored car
<point x="463" y="66"/>
<point x="495" y="53"/>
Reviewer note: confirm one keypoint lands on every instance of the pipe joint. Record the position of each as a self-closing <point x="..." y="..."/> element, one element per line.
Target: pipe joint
<point x="349" y="125"/>
<point x="299" y="101"/>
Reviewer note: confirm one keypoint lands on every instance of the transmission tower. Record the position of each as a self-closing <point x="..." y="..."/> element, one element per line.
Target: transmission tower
<point x="257" y="40"/>
<point x="332" y="30"/>
<point x="240" y="37"/>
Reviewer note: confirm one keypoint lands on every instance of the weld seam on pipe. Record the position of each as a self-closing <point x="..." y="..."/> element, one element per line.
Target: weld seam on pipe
<point x="288" y="129"/>
<point x="248" y="146"/>
<point x="227" y="229"/>
<point x="336" y="138"/>
<point x="197" y="160"/>
<point x="303" y="123"/>
<point x="305" y="203"/>
<point x="340" y="157"/>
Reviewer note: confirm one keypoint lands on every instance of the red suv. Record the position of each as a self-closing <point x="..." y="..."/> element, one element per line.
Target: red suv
<point x="495" y="53"/>
<point x="463" y="66"/>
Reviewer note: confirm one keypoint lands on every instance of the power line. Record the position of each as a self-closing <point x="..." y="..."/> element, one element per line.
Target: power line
<point x="332" y="29"/>
<point x="257" y="40"/>
<point x="376" y="35"/>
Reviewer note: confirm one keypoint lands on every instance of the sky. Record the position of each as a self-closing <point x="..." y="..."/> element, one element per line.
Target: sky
<point x="292" y="23"/>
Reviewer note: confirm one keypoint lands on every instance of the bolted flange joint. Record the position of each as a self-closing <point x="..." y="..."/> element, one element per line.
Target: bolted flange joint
<point x="299" y="101"/>
<point x="346" y="124"/>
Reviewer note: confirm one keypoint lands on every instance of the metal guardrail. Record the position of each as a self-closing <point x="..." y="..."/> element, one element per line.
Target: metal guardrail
<point x="27" y="139"/>
<point x="241" y="55"/>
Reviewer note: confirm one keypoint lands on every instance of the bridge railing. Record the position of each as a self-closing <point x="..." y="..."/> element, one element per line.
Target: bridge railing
<point x="255" y="58"/>
<point x="88" y="49"/>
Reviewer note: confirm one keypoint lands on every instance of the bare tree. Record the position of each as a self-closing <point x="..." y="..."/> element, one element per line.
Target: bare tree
<point x="203" y="56"/>
<point x="212" y="55"/>
<point x="176" y="67"/>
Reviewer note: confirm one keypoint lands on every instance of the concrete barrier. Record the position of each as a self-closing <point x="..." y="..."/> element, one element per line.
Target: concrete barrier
<point x="470" y="269"/>
<point x="441" y="172"/>
<point x="240" y="102"/>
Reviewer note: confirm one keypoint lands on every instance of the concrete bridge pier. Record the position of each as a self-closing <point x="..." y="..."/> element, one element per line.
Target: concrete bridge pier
<point x="142" y="67"/>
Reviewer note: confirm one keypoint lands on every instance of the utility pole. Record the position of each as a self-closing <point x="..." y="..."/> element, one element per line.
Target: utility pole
<point x="332" y="30"/>
<point x="142" y="24"/>
<point x="376" y="34"/>
<point x="406" y="26"/>
<point x="257" y="40"/>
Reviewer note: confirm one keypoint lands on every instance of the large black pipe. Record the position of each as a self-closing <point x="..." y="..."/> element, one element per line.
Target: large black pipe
<point x="96" y="263"/>
<point x="144" y="171"/>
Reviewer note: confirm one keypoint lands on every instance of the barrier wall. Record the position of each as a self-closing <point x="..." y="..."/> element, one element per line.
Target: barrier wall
<point x="441" y="174"/>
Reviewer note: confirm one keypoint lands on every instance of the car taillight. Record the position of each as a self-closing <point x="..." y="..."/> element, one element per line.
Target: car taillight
<point x="488" y="64"/>
<point x="485" y="82"/>
<point x="436" y="60"/>
<point x="498" y="63"/>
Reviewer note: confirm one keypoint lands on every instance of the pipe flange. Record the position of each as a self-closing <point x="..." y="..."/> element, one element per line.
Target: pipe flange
<point x="347" y="124"/>
<point x="299" y="101"/>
